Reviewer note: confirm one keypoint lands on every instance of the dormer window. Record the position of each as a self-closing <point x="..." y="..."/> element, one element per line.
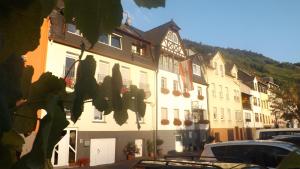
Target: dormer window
<point x="196" y="70"/>
<point x="71" y="28"/>
<point x="111" y="40"/>
<point x="104" y="39"/>
<point x="137" y="49"/>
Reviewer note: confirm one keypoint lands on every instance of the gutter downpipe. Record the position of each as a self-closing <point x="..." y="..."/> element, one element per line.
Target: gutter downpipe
<point x="156" y="114"/>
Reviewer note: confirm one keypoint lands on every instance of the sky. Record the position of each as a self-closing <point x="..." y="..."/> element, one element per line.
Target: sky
<point x="269" y="27"/>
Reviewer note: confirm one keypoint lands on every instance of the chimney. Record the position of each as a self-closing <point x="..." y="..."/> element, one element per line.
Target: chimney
<point x="128" y="21"/>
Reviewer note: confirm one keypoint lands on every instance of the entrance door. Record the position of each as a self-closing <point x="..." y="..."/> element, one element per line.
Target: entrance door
<point x="139" y="144"/>
<point x="102" y="151"/>
<point x="64" y="151"/>
<point x="178" y="143"/>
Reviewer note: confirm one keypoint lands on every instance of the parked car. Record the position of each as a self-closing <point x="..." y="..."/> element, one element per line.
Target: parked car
<point x="177" y="164"/>
<point x="265" y="134"/>
<point x="295" y="139"/>
<point x="266" y="153"/>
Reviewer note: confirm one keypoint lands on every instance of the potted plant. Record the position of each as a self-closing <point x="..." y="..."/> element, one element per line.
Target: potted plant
<point x="165" y="90"/>
<point x="130" y="149"/>
<point x="200" y="97"/>
<point x="203" y="121"/>
<point x="177" y="122"/>
<point x="176" y="93"/>
<point x="186" y="94"/>
<point x="188" y="122"/>
<point x="164" y="121"/>
<point x="150" y="148"/>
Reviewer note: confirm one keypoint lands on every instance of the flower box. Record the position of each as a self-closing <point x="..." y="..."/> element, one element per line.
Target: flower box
<point x="165" y="90"/>
<point x="164" y="122"/>
<point x="177" y="122"/>
<point x="186" y="94"/>
<point x="203" y="121"/>
<point x="200" y="97"/>
<point x="69" y="82"/>
<point x="176" y="93"/>
<point x="188" y="122"/>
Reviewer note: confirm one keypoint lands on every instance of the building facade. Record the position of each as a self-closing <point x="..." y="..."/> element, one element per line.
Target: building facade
<point x="224" y="99"/>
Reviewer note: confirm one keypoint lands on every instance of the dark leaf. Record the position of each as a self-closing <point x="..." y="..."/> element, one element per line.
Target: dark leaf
<point x="10" y="82"/>
<point x="103" y="100"/>
<point x="50" y="132"/>
<point x="19" y="27"/>
<point x="150" y="3"/>
<point x="26" y="80"/>
<point x="47" y="84"/>
<point x="25" y="118"/>
<point x="141" y="105"/>
<point x="120" y="116"/>
<point x="10" y="144"/>
<point x="95" y="17"/>
<point x="86" y="85"/>
<point x="116" y="83"/>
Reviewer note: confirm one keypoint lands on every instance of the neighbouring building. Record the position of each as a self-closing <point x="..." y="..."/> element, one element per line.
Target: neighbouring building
<point x="177" y="121"/>
<point x="224" y="99"/>
<point x="265" y="116"/>
<point x="97" y="137"/>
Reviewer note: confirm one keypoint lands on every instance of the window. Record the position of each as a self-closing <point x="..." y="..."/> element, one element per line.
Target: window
<point x="229" y="114"/>
<point x="176" y="113"/>
<point x="258" y="101"/>
<point x="137" y="49"/>
<point x="104" y="70"/>
<point x="111" y="40"/>
<point x="70" y="79"/>
<point x="196" y="70"/>
<point x="213" y="90"/>
<point x="221" y="70"/>
<point x="254" y="101"/>
<point x="176" y="66"/>
<point x="199" y="91"/>
<point x="187" y="115"/>
<point x="215" y="113"/>
<point x="164" y="83"/>
<point x="104" y="38"/>
<point x="238" y="115"/>
<point x="98" y="116"/>
<point x="175" y="85"/>
<point x="72" y="29"/>
<point x="227" y="93"/>
<point x="256" y="117"/>
<point x="125" y="71"/>
<point x="222" y="113"/>
<point x="248" y="117"/>
<point x="116" y="41"/>
<point x="221" y="91"/>
<point x="164" y="113"/>
<point x="216" y="68"/>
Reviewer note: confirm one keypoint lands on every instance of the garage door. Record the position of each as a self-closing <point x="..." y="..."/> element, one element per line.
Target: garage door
<point x="102" y="151"/>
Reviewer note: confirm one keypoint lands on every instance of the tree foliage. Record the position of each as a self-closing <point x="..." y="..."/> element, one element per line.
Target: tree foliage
<point x="20" y="100"/>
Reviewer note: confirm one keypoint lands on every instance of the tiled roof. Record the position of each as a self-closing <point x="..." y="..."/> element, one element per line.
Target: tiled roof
<point x="157" y="34"/>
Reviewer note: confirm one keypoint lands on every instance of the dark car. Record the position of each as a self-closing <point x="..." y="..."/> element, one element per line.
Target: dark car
<point x="295" y="139"/>
<point x="176" y="164"/>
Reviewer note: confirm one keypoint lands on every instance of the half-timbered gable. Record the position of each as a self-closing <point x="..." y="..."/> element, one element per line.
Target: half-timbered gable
<point x="172" y="43"/>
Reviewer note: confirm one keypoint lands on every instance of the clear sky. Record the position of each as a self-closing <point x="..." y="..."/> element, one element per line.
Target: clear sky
<point x="270" y="27"/>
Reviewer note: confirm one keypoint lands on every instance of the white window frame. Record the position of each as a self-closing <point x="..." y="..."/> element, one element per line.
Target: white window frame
<point x="101" y="114"/>
<point x="109" y="41"/>
<point x="162" y="113"/>
<point x="222" y="115"/>
<point x="99" y="74"/>
<point x="215" y="113"/>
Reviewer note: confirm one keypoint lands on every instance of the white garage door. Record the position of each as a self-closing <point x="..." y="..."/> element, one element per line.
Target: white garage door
<point x="102" y="151"/>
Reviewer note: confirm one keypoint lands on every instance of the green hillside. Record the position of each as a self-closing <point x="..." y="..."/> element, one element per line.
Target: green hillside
<point x="285" y="74"/>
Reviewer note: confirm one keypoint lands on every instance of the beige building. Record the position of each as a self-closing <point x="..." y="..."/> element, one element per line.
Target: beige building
<point x="224" y="99"/>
